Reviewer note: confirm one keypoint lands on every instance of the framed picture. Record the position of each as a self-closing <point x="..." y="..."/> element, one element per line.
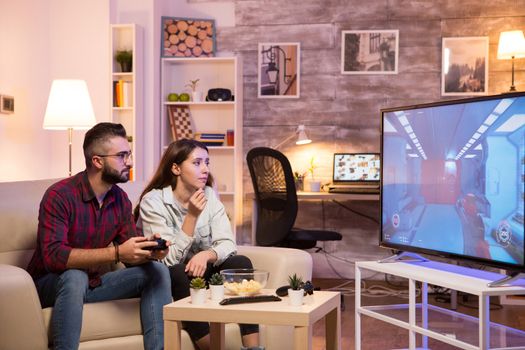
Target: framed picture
<point x="369" y="51"/>
<point x="187" y="37"/>
<point x="465" y="66"/>
<point x="279" y="70"/>
<point x="7" y="104"/>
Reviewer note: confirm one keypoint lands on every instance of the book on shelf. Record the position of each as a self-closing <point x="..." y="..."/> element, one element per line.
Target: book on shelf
<point x="122" y="93"/>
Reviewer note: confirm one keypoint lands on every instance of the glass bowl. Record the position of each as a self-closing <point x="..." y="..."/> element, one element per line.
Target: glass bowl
<point x="244" y="282"/>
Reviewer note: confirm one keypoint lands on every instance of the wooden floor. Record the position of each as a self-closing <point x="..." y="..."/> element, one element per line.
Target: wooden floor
<point x="378" y="335"/>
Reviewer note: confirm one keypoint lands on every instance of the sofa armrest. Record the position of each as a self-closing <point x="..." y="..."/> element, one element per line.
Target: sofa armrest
<point x="280" y="262"/>
<point x="21" y="320"/>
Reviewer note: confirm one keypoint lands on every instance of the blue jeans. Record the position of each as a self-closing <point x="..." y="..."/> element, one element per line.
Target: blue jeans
<point x="69" y="291"/>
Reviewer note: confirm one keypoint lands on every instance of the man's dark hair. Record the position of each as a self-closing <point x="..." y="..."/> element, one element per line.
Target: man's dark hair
<point x="99" y="134"/>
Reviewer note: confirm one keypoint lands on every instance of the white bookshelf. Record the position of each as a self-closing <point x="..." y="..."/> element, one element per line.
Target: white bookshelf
<point x="210" y="117"/>
<point x="128" y="37"/>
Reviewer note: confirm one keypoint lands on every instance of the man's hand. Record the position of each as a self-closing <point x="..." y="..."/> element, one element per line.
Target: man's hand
<point x="132" y="251"/>
<point x="196" y="267"/>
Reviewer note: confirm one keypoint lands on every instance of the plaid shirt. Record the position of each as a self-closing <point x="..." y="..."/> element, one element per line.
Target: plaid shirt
<point x="70" y="217"/>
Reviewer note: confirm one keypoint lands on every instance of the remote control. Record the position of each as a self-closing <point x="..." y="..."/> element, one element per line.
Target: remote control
<point x="161" y="245"/>
<point x="249" y="299"/>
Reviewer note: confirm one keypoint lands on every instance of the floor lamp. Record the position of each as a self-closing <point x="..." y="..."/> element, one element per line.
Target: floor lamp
<point x="69" y="108"/>
<point x="302" y="138"/>
<point x="511" y="45"/>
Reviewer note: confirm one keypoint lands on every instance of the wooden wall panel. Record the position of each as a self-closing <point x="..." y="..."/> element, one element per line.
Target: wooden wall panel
<point x="342" y="112"/>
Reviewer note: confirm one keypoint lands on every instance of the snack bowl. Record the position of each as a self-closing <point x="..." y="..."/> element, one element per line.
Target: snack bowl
<point x="244" y="282"/>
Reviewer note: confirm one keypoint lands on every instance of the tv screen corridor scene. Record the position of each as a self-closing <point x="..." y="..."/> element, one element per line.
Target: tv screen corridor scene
<point x="453" y="179"/>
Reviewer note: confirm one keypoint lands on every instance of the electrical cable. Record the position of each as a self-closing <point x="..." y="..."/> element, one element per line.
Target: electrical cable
<point x="374" y="291"/>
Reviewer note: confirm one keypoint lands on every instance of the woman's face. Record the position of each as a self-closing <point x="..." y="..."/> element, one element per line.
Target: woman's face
<point x="193" y="172"/>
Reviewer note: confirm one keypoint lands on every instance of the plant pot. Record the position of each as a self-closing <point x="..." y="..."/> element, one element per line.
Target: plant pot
<point x="125" y="67"/>
<point x="315" y="186"/>
<point x="197" y="96"/>
<point x="295" y="297"/>
<point x="198" y="296"/>
<point x="217" y="292"/>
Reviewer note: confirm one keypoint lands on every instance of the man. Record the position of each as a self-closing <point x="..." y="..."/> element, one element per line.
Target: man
<point x="78" y="220"/>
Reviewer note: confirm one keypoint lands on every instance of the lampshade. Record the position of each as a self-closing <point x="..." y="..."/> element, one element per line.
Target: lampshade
<point x="511" y="45"/>
<point x="302" y="139"/>
<point x="69" y="106"/>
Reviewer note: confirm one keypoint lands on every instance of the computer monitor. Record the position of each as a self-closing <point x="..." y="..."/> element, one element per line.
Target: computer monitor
<point x="356" y="168"/>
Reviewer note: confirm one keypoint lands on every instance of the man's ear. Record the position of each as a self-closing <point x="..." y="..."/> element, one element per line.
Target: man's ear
<point x="175" y="169"/>
<point x="96" y="162"/>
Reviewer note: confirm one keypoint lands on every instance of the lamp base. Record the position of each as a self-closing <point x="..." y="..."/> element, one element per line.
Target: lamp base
<point x="512" y="88"/>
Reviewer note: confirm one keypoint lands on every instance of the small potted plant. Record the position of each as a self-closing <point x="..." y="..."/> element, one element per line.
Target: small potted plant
<point x="197" y="96"/>
<point x="315" y="186"/>
<point x="198" y="290"/>
<point x="125" y="59"/>
<point x="295" y="292"/>
<point x="216" y="283"/>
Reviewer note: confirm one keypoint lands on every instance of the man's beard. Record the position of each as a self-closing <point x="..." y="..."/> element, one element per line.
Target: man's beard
<point x="111" y="176"/>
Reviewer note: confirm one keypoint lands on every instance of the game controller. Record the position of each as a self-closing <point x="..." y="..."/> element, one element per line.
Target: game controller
<point x="161" y="245"/>
<point x="307" y="286"/>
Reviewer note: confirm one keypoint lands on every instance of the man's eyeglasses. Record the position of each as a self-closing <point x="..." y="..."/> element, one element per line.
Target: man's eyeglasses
<point x="124" y="156"/>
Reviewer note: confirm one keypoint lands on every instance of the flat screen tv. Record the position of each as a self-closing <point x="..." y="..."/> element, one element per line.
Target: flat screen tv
<point x="453" y="180"/>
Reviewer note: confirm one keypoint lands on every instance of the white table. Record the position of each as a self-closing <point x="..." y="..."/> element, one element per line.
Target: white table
<point x="464" y="327"/>
<point x="320" y="305"/>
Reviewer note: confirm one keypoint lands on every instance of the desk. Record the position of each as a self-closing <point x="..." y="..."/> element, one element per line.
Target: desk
<point x="302" y="195"/>
<point x="317" y="306"/>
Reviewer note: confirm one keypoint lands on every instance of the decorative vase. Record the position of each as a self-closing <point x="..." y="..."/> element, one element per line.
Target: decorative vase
<point x="315" y="186"/>
<point x="198" y="296"/>
<point x="295" y="297"/>
<point x="217" y="292"/>
<point x="197" y="96"/>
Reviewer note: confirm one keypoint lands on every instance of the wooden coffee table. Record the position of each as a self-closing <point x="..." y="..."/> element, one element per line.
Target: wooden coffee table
<point x="321" y="304"/>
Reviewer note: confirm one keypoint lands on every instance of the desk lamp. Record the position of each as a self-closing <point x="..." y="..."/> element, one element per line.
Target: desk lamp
<point x="69" y="107"/>
<point x="511" y="45"/>
<point x="302" y="138"/>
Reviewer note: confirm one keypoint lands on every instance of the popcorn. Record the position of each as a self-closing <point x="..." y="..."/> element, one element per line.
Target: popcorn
<point x="245" y="287"/>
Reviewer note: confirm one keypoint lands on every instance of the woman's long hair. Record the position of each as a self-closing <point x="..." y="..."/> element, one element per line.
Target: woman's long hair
<point x="176" y="153"/>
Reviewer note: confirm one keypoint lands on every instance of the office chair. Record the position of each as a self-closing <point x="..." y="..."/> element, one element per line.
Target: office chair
<point x="277" y="206"/>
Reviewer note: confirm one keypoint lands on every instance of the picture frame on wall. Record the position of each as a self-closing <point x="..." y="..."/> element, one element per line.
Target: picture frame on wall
<point x="187" y="37"/>
<point x="279" y="66"/>
<point x="465" y="66"/>
<point x="369" y="51"/>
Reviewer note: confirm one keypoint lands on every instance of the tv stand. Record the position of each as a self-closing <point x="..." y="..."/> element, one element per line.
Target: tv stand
<point x="403" y="256"/>
<point x="507" y="280"/>
<point x="423" y="321"/>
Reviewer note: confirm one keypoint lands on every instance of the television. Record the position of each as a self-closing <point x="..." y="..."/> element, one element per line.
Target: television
<point x="452" y="181"/>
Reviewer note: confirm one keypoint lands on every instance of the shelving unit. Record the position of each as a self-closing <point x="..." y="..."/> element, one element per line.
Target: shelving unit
<point x="128" y="37"/>
<point x="210" y="117"/>
<point x="447" y="326"/>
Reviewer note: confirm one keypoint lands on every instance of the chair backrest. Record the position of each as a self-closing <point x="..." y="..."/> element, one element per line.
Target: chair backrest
<point x="274" y="187"/>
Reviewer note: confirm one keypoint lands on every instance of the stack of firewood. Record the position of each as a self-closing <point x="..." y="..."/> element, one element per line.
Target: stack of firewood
<point x="188" y="38"/>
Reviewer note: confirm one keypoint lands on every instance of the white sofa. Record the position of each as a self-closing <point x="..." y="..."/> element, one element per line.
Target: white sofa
<point x="106" y="325"/>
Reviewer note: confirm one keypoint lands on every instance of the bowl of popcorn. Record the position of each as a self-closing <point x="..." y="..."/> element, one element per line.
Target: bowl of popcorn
<point x="244" y="282"/>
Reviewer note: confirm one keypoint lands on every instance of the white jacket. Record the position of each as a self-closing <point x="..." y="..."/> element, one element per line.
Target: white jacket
<point x="161" y="213"/>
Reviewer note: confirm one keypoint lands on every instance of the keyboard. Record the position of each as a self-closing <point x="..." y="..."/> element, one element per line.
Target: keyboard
<point x="353" y="190"/>
<point x="249" y="299"/>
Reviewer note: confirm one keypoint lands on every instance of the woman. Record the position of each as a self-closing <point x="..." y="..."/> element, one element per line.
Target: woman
<point x="180" y="204"/>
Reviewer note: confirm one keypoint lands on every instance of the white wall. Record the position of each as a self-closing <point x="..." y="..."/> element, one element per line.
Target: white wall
<point x="41" y="41"/>
<point x="50" y="39"/>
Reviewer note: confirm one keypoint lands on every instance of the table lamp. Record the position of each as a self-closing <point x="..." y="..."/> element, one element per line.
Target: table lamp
<point x="511" y="45"/>
<point x="69" y="107"/>
<point x="302" y="138"/>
